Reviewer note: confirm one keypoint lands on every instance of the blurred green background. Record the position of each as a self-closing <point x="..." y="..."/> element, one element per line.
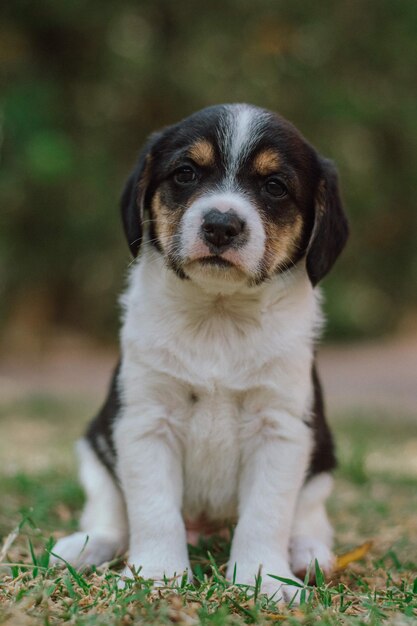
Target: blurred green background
<point x="83" y="83"/>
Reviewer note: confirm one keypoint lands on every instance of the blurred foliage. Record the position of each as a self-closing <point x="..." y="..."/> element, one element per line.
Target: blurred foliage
<point x="83" y="83"/>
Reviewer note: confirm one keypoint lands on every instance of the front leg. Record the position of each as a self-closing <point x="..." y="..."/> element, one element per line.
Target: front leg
<point x="150" y="471"/>
<point x="274" y="463"/>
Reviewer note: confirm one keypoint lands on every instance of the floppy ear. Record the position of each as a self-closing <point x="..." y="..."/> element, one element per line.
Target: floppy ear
<point x="330" y="230"/>
<point x="133" y="196"/>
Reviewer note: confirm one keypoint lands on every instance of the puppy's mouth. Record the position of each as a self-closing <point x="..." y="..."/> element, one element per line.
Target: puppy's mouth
<point x="214" y="267"/>
<point x="215" y="261"/>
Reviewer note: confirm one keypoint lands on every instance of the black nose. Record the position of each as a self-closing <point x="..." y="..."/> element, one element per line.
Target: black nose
<point x="220" y="230"/>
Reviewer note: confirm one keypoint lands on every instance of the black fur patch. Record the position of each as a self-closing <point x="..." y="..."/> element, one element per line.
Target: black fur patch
<point x="323" y="457"/>
<point x="331" y="229"/>
<point x="100" y="430"/>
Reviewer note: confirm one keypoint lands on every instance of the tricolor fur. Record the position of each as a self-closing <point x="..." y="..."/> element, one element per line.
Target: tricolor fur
<point x="215" y="412"/>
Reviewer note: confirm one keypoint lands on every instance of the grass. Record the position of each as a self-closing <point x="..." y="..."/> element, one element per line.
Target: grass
<point x="374" y="499"/>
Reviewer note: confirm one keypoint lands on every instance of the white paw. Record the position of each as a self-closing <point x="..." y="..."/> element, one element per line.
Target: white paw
<point x="150" y="570"/>
<point x="303" y="553"/>
<point x="290" y="593"/>
<point x="83" y="549"/>
<point x="281" y="591"/>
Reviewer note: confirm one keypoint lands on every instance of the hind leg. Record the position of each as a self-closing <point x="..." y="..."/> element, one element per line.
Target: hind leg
<point x="103" y="526"/>
<point x="312" y="533"/>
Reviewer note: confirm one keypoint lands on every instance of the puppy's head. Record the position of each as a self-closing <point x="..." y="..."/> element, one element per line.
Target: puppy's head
<point x="234" y="193"/>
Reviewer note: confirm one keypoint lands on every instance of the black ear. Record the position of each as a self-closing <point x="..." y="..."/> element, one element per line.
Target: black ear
<point x="132" y="200"/>
<point x="330" y="230"/>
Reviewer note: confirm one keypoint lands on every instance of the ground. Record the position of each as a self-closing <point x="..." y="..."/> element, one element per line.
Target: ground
<point x="374" y="501"/>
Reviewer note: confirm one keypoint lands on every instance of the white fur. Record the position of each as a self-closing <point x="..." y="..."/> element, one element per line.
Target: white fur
<point x="312" y="534"/>
<point x="242" y="449"/>
<point x="239" y="132"/>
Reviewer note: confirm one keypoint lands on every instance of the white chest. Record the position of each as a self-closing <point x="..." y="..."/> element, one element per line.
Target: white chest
<point x="211" y="457"/>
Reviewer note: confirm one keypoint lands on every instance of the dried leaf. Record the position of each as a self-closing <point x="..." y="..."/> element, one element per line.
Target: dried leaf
<point x="356" y="554"/>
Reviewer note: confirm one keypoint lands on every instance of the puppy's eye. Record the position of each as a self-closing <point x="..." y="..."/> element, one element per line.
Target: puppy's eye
<point x="185" y="175"/>
<point x="276" y="188"/>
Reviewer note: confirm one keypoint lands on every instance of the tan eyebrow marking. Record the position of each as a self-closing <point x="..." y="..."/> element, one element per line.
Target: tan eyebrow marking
<point x="202" y="152"/>
<point x="266" y="162"/>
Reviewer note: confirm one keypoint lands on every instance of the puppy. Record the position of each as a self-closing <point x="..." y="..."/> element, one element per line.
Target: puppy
<point x="215" y="411"/>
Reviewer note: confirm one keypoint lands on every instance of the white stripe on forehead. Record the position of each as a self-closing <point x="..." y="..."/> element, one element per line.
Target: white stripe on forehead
<point x="239" y="131"/>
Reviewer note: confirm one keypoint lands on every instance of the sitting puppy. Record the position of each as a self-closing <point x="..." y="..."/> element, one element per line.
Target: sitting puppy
<point x="215" y="412"/>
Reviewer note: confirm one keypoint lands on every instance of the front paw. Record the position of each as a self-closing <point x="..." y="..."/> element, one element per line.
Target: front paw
<point x="83" y="549"/>
<point x="151" y="569"/>
<point x="288" y="589"/>
<point x="304" y="551"/>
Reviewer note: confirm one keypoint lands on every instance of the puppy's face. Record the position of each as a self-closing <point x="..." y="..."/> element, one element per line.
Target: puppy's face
<point x="232" y="194"/>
